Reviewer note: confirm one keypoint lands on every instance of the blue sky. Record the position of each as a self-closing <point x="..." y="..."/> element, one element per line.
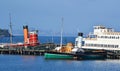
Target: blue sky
<point x="45" y="15"/>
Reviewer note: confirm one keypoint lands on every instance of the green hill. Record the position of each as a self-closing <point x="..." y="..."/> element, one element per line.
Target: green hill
<point x="4" y="32"/>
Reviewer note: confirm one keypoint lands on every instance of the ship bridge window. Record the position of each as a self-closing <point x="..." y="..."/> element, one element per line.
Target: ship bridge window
<point x="93" y="36"/>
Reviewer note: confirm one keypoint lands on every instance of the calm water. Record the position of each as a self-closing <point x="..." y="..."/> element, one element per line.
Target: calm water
<point x="38" y="63"/>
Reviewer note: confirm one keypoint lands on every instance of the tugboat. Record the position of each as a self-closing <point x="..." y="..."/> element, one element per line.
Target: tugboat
<point x="30" y="39"/>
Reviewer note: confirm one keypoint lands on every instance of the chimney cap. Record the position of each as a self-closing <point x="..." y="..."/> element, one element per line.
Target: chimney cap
<point x="80" y="34"/>
<point x="26" y="26"/>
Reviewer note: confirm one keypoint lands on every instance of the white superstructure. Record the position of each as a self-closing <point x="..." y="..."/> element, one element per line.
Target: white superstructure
<point x="101" y="38"/>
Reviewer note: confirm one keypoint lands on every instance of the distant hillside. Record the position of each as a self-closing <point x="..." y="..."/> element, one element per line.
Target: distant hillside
<point x="4" y="32"/>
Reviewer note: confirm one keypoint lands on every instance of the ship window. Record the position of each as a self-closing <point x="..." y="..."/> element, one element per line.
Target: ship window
<point x="95" y="44"/>
<point x="98" y="45"/>
<point x="86" y="44"/>
<point x="110" y="37"/>
<point x="91" y="44"/>
<point x="113" y="37"/>
<point x="101" y="36"/>
<point x="105" y="36"/>
<point x="105" y="45"/>
<point x="117" y="37"/>
<point x="102" y="45"/>
<point x="76" y="43"/>
<point x="98" y="36"/>
<point x="108" y="45"/>
<point x="112" y="45"/>
<point x="117" y="46"/>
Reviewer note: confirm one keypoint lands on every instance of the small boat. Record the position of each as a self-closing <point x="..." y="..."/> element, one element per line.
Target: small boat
<point x="81" y="56"/>
<point x="58" y="56"/>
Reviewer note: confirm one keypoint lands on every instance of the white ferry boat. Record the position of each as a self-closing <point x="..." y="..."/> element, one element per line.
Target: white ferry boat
<point x="101" y="38"/>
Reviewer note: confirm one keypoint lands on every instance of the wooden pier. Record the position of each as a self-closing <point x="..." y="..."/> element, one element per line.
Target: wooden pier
<point x="22" y="52"/>
<point x="36" y="52"/>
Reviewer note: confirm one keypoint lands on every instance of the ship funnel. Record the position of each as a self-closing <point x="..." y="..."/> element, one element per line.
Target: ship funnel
<point x="25" y="31"/>
<point x="79" y="40"/>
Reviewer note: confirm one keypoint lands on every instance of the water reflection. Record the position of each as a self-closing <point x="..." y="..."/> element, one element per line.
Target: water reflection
<point x="26" y="58"/>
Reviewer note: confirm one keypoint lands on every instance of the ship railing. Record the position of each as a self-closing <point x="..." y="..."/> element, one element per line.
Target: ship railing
<point x="91" y="38"/>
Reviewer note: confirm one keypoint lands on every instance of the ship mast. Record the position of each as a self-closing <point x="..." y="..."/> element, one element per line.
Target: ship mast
<point x="52" y="37"/>
<point x="61" y="32"/>
<point x="10" y="28"/>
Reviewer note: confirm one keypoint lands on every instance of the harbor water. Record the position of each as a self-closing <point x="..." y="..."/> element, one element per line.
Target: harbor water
<point x="39" y="63"/>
